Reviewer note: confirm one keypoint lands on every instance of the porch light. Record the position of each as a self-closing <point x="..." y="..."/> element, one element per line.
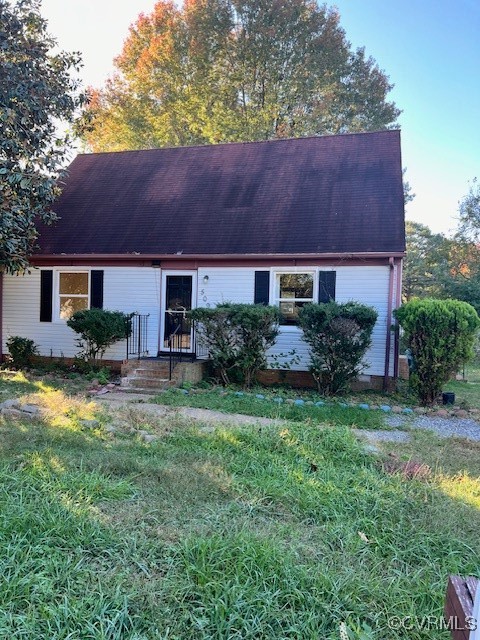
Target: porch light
<point x="205" y="279"/>
<point x="156" y="264"/>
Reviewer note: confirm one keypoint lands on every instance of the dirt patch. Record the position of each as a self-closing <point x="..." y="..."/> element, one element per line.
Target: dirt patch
<point x="124" y="400"/>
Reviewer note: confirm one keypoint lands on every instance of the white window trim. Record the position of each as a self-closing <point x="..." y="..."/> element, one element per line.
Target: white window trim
<point x="56" y="290"/>
<point x="275" y="290"/>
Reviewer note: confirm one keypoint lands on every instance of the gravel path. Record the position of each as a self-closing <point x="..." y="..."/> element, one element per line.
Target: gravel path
<point x="381" y="435"/>
<point x="443" y="427"/>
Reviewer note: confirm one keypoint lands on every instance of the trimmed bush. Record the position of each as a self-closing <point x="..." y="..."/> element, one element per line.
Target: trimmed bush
<point x="440" y="335"/>
<point x="21" y="351"/>
<point x="237" y="337"/>
<point x="338" y="336"/>
<point x="98" y="330"/>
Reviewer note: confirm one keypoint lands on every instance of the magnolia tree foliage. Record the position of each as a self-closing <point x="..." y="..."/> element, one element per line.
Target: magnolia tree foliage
<point x="440" y="335"/>
<point x="237" y="337"/>
<point x="338" y="336"/>
<point x="234" y="70"/>
<point x="36" y="93"/>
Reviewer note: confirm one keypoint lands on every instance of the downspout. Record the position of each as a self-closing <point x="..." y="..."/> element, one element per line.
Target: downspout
<point x="1" y="316"/>
<point x="391" y="262"/>
<point x="398" y="302"/>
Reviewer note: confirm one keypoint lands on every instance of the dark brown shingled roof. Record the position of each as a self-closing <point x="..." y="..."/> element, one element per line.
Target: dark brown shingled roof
<point x="332" y="194"/>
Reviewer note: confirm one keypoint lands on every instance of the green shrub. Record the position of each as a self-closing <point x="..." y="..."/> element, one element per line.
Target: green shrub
<point x="237" y="337"/>
<point x="21" y="351"/>
<point x="102" y="374"/>
<point x="440" y="335"/>
<point x="338" y="336"/>
<point x="216" y="333"/>
<point x="98" y="330"/>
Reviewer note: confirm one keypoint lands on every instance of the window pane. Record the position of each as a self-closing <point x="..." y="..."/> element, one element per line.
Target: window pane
<point x="296" y="285"/>
<point x="68" y="306"/>
<point x="74" y="283"/>
<point x="289" y="311"/>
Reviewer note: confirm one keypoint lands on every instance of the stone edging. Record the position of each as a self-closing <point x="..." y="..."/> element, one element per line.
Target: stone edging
<point x="434" y="411"/>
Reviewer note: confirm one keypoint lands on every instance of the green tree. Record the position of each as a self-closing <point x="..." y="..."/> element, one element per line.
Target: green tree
<point x="37" y="92"/>
<point x="440" y="267"/>
<point x="469" y="211"/>
<point x="408" y="194"/>
<point x="235" y="70"/>
<point x="440" y="335"/>
<point x="426" y="257"/>
<point x="461" y="280"/>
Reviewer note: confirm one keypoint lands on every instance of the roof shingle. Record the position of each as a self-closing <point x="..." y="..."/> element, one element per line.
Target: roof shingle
<point x="331" y="194"/>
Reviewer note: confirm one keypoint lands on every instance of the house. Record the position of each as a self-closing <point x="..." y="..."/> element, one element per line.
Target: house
<point x="159" y="231"/>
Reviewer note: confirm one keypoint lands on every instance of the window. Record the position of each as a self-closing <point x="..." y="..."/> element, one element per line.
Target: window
<point x="293" y="291"/>
<point x="73" y="293"/>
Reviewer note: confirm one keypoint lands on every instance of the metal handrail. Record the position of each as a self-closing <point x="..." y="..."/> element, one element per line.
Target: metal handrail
<point x="175" y="340"/>
<point x="137" y="341"/>
<point x="177" y="350"/>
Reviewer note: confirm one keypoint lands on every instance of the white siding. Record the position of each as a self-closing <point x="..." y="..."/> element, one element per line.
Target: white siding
<point x="225" y="284"/>
<point x="126" y="289"/>
<point x="369" y="285"/>
<point x="366" y="284"/>
<point x="138" y="289"/>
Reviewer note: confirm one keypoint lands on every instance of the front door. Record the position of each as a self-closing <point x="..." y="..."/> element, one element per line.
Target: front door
<point x="177" y="300"/>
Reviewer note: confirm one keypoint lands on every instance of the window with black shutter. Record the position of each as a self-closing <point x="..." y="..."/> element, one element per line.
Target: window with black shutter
<point x="262" y="287"/>
<point x="326" y="285"/>
<point x="46" y="295"/>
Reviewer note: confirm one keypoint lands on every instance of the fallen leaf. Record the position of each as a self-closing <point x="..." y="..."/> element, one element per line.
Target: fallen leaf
<point x="363" y="537"/>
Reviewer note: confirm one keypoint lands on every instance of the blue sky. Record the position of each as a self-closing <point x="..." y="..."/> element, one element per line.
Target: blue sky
<point x="430" y="49"/>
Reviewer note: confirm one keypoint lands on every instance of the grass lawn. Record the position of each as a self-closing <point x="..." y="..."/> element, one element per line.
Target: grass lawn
<point x="273" y="404"/>
<point x="18" y="383"/>
<point x="248" y="404"/>
<point x="248" y="533"/>
<point x="467" y="392"/>
<point x="446" y="456"/>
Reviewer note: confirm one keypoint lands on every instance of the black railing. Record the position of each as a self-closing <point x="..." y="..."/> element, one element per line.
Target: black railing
<point x="180" y="343"/>
<point x="175" y="347"/>
<point x="201" y="351"/>
<point x="137" y="342"/>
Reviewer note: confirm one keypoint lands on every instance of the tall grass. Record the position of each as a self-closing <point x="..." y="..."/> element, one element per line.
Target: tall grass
<point x="247" y="533"/>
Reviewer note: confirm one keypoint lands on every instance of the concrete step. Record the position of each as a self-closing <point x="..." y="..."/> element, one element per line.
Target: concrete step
<point x="148" y="392"/>
<point x="146" y="367"/>
<point x="154" y="374"/>
<point x="148" y="363"/>
<point x="149" y="383"/>
<point x="161" y="372"/>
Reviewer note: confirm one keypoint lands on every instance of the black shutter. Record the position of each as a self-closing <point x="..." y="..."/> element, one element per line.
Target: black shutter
<point x="96" y="289"/>
<point x="46" y="295"/>
<point x="262" y="287"/>
<point x="326" y="288"/>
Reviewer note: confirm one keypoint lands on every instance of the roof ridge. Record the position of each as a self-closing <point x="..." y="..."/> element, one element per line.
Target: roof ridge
<point x="245" y="142"/>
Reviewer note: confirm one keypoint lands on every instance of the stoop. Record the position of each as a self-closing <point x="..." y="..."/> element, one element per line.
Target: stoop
<point x="151" y="375"/>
